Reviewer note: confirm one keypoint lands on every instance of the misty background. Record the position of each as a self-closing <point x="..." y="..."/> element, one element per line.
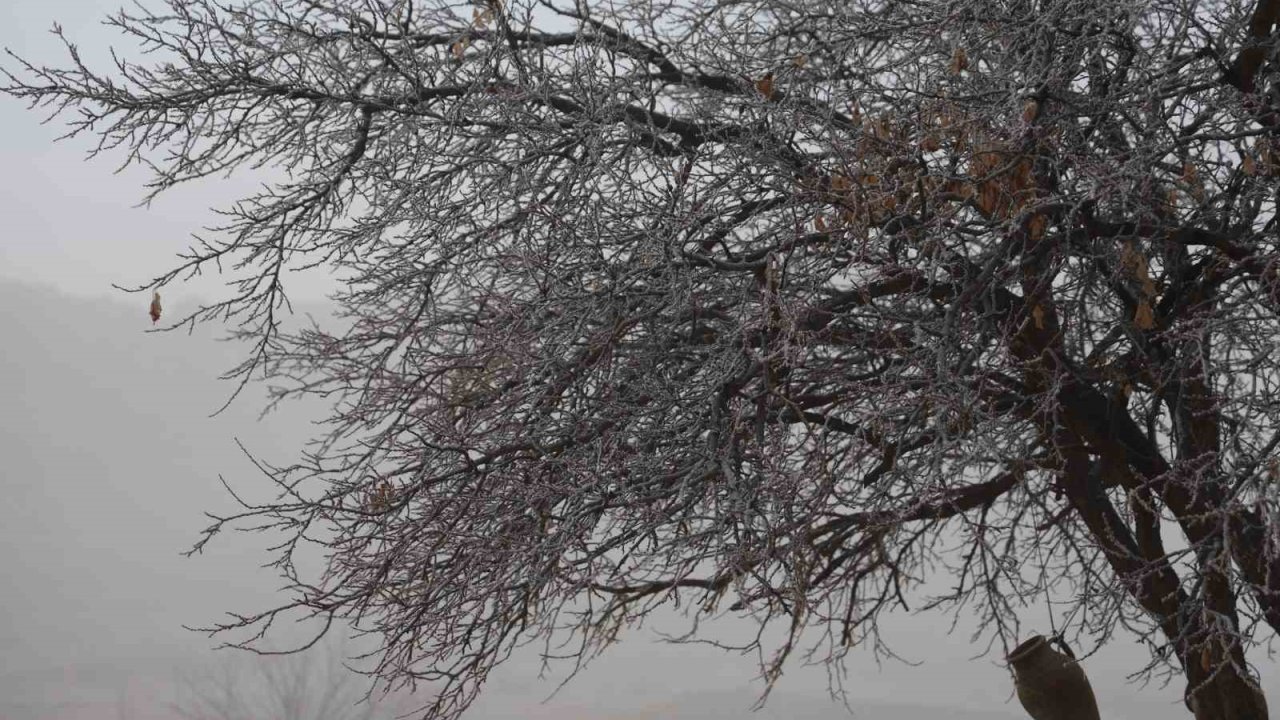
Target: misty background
<point x="110" y="457"/>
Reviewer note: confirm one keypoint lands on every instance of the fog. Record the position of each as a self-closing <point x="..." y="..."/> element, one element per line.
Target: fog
<point x="110" y="457"/>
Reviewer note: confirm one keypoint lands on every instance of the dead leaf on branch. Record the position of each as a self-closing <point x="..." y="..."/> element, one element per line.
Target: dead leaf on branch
<point x="380" y="498"/>
<point x="1135" y="264"/>
<point x="1266" y="154"/>
<point x="1191" y="178"/>
<point x="1037" y="315"/>
<point x="764" y="86"/>
<point x="1030" y="111"/>
<point x="155" y="308"/>
<point x="1036" y="226"/>
<point x="1144" y="318"/>
<point x="1003" y="182"/>
<point x="959" y="61"/>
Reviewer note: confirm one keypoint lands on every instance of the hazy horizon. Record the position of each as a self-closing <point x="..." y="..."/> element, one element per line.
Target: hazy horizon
<point x="113" y="458"/>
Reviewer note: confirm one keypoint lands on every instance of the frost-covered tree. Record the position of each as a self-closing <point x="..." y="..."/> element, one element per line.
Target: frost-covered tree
<point x="768" y="307"/>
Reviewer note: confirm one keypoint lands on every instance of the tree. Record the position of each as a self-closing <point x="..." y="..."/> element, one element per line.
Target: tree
<point x="765" y="307"/>
<point x="307" y="686"/>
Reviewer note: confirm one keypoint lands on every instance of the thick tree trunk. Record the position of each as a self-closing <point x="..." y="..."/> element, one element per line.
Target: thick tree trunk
<point x="1227" y="696"/>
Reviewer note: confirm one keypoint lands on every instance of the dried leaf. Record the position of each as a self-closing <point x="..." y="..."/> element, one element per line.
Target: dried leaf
<point x="1262" y="146"/>
<point x="765" y="86"/>
<point x="1135" y="264"/>
<point x="959" y="61"/>
<point x="1037" y="314"/>
<point x="930" y="143"/>
<point x="1249" y="166"/>
<point x="800" y="60"/>
<point x="840" y="183"/>
<point x="820" y="223"/>
<point x="1036" y="226"/>
<point x="1030" y="110"/>
<point x="883" y="128"/>
<point x="155" y="308"/>
<point x="1190" y="175"/>
<point x="988" y="197"/>
<point x="459" y="48"/>
<point x="1206" y="658"/>
<point x="1144" y="318"/>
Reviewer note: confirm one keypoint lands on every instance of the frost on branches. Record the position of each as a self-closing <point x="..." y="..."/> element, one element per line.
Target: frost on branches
<point x="767" y="308"/>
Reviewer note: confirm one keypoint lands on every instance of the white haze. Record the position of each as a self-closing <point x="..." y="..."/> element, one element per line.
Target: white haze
<point x="108" y="458"/>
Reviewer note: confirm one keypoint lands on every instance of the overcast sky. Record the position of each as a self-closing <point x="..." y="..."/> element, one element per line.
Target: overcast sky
<point x="110" y="458"/>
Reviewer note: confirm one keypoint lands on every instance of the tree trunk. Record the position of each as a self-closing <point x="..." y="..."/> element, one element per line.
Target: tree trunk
<point x="1227" y="696"/>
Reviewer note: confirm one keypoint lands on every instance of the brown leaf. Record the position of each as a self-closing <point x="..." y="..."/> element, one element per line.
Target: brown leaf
<point x="800" y="60"/>
<point x="1248" y="165"/>
<point x="765" y="86"/>
<point x="155" y="308"/>
<point x="959" y="61"/>
<point x="840" y="183"/>
<point x="930" y="143"/>
<point x="1190" y="175"/>
<point x="458" y="48"/>
<point x="988" y="198"/>
<point x="1265" y="155"/>
<point x="1133" y="262"/>
<point x="883" y="128"/>
<point x="1030" y="111"/>
<point x="1036" y="226"/>
<point x="1206" y="658"/>
<point x="1037" y="314"/>
<point x="820" y="223"/>
<point x="1144" y="318"/>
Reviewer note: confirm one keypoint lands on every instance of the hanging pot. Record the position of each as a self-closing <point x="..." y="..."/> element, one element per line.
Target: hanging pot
<point x="1051" y="685"/>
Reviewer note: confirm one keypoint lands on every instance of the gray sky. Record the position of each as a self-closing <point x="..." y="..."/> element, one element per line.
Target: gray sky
<point x="110" y="458"/>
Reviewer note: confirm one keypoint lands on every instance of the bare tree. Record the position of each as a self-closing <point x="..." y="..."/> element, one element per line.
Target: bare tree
<point x="314" y="685"/>
<point x="772" y="307"/>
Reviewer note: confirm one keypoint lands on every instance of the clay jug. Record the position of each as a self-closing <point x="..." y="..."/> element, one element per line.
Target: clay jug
<point x="1051" y="686"/>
